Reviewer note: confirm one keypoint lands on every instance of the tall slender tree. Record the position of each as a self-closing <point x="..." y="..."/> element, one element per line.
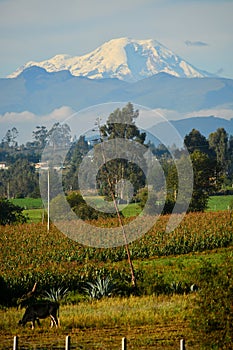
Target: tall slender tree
<point x="218" y="141"/>
<point x="205" y="169"/>
<point x="59" y="136"/>
<point x="121" y="124"/>
<point x="195" y="141"/>
<point x="40" y="135"/>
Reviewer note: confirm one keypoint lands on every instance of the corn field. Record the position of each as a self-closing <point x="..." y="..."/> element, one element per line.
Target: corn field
<point x="29" y="253"/>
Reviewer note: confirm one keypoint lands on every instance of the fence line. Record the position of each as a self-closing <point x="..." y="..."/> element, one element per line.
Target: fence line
<point x="68" y="343"/>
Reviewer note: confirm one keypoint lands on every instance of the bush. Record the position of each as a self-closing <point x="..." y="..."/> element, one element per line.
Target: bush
<point x="213" y="311"/>
<point x="10" y="213"/>
<point x="84" y="211"/>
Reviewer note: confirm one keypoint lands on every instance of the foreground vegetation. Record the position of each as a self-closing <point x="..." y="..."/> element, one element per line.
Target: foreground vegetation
<point x="148" y="322"/>
<point x="31" y="254"/>
<point x="161" y="307"/>
<point x="157" y="315"/>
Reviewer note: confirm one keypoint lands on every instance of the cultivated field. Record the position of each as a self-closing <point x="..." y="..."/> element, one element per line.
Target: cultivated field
<point x="165" y="265"/>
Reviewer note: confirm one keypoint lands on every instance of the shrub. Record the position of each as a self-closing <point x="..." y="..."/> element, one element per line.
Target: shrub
<point x="10" y="213"/>
<point x="213" y="311"/>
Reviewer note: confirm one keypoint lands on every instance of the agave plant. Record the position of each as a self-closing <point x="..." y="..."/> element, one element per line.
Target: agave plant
<point x="102" y="287"/>
<point x="56" y="295"/>
<point x="176" y="287"/>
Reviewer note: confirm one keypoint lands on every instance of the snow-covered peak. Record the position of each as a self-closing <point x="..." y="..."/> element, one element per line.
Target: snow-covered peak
<point x="123" y="58"/>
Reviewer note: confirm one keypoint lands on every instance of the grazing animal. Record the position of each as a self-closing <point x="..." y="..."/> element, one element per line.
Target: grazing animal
<point x="40" y="311"/>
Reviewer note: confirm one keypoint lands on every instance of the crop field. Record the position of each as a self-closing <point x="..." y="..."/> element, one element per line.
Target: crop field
<point x="30" y="247"/>
<point x="166" y="264"/>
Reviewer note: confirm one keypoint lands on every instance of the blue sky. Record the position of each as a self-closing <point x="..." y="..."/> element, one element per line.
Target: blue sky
<point x="200" y="31"/>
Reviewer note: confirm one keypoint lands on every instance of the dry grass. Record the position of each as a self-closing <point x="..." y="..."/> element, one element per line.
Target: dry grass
<point x="147" y="323"/>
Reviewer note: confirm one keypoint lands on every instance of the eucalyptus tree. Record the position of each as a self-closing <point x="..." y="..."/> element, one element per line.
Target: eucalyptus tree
<point x="121" y="124"/>
<point x="218" y="141"/>
<point x="59" y="136"/>
<point x="207" y="177"/>
<point x="40" y="135"/>
<point x="9" y="140"/>
<point x="195" y="141"/>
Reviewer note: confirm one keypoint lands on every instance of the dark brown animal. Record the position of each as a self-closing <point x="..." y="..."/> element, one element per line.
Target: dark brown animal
<point x="40" y="311"/>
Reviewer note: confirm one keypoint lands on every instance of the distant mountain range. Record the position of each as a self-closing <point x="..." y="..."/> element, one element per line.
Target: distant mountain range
<point x="40" y="92"/>
<point x="124" y="58"/>
<point x="205" y="125"/>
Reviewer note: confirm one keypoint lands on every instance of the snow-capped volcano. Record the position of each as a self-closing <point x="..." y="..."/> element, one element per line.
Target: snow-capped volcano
<point x="123" y="58"/>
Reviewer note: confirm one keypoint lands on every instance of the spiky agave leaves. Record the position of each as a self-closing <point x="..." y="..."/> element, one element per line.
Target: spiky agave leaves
<point x="56" y="294"/>
<point x="100" y="288"/>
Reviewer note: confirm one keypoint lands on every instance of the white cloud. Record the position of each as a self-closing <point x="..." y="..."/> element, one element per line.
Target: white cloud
<point x="13" y="117"/>
<point x="58" y="115"/>
<point x="82" y="121"/>
<point x="221" y="113"/>
<point x="25" y="122"/>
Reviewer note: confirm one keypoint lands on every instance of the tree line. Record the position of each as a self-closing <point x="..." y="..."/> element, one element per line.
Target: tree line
<point x="212" y="161"/>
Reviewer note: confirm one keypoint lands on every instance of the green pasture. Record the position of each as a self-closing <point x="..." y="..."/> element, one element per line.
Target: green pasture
<point x="128" y="210"/>
<point x="28" y="203"/>
<point x="216" y="203"/>
<point x="179" y="270"/>
<point x="33" y="207"/>
<point x="34" y="215"/>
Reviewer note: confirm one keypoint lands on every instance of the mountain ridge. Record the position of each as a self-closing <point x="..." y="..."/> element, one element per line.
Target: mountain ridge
<point x="39" y="91"/>
<point x="123" y="58"/>
<point x="204" y="124"/>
